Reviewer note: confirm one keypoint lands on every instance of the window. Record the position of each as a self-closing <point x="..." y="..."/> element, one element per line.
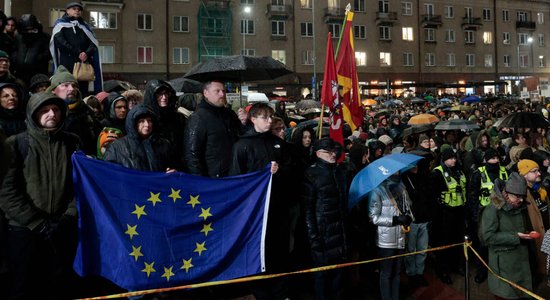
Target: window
<point x="429" y="9"/>
<point x="106" y="54"/>
<point x="451" y="60"/>
<point x="522" y="16"/>
<point x="383" y="6"/>
<point x="307" y="57"/>
<point x="180" y="56"/>
<point x="408" y="34"/>
<point x="145" y="55"/>
<point x="542" y="61"/>
<point x="279" y="55"/>
<point x="277" y="2"/>
<point x="385" y="33"/>
<point x="361" y="58"/>
<point x="450" y="36"/>
<point x="406" y="8"/>
<point x="487" y="38"/>
<point x="145" y="21"/>
<point x="468" y="12"/>
<point x="333" y="3"/>
<point x="181" y="24"/>
<point x="487" y="14"/>
<point x="249" y="52"/>
<point x="505" y="15"/>
<point x="488" y="60"/>
<point x="334" y="30"/>
<point x="469" y="37"/>
<point x="306" y="4"/>
<point x="247" y="27"/>
<point x="278" y="28"/>
<point x="541" y="39"/>
<point x="215" y="27"/>
<point x="506" y="38"/>
<point x="524" y="61"/>
<point x="55" y="13"/>
<point x="247" y="2"/>
<point x="506" y="60"/>
<point x="523" y="38"/>
<point x="408" y="59"/>
<point x="359" y="5"/>
<point x="103" y="20"/>
<point x="540" y="18"/>
<point x="360" y="31"/>
<point x="429" y="35"/>
<point x="449" y="12"/>
<point x="385" y="59"/>
<point x="306" y="29"/>
<point x="429" y="59"/>
<point x="470" y="60"/>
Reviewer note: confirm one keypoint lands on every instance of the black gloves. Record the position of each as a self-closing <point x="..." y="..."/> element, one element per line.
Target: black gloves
<point x="47" y="229"/>
<point x="51" y="228"/>
<point x="404" y="220"/>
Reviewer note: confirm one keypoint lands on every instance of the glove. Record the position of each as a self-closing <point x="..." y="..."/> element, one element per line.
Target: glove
<point x="46" y="229"/>
<point x="404" y="220"/>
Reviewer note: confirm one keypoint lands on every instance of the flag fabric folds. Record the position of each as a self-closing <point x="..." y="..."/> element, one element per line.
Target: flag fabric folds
<point x="144" y="230"/>
<point x="330" y="97"/>
<point x="347" y="76"/>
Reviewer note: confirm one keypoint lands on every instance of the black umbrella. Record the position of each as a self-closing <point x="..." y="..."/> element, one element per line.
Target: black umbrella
<point x="306" y="104"/>
<point x="117" y="86"/>
<point x="416" y="129"/>
<point x="456" y="125"/>
<point x="523" y="120"/>
<point x="186" y="85"/>
<point x="238" y="68"/>
<point x="312" y="124"/>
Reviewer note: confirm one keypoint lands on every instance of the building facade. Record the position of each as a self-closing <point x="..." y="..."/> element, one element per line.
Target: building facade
<point x="448" y="45"/>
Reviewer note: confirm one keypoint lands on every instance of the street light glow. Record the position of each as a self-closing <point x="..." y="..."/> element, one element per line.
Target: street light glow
<point x="247" y="9"/>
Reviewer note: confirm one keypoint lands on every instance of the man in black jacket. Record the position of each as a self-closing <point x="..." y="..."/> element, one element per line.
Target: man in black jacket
<point x="210" y="134"/>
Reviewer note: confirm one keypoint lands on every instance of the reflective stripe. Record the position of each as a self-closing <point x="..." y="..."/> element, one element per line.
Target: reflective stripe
<point x="451" y="197"/>
<point x="487" y="184"/>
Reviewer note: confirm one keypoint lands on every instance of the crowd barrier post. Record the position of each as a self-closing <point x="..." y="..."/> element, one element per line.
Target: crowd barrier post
<point x="466" y="269"/>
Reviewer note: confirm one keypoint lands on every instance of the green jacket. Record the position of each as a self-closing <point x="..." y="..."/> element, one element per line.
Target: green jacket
<point x="508" y="254"/>
<point x="39" y="186"/>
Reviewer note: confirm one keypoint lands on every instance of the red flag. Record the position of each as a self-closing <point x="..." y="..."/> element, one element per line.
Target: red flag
<point x="347" y="77"/>
<point x="330" y="98"/>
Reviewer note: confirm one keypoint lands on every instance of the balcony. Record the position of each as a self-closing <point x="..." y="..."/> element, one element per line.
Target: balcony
<point x="279" y="12"/>
<point x="278" y="37"/>
<point x="469" y="23"/>
<point x="216" y="4"/>
<point x="526" y="25"/>
<point x="334" y="15"/>
<point x="386" y="18"/>
<point x="431" y="21"/>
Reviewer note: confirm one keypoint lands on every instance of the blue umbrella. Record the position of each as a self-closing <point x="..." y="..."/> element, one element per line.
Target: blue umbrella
<point x="470" y="99"/>
<point x="378" y="171"/>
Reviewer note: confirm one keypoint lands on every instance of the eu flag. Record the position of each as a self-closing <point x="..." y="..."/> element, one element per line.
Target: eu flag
<point x="144" y="230"/>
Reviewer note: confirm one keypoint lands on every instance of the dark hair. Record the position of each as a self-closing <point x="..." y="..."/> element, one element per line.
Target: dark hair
<point x="260" y="108"/>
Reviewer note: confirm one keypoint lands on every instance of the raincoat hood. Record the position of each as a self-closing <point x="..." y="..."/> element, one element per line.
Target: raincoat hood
<point x="20" y="104"/>
<point x="40" y="99"/>
<point x="149" y="96"/>
<point x="109" y="104"/>
<point x="137" y="112"/>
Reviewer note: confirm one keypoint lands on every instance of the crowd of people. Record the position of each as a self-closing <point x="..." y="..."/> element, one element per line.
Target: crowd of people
<point x="491" y="183"/>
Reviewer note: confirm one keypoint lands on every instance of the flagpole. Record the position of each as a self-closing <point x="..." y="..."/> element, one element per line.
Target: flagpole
<point x="348" y="9"/>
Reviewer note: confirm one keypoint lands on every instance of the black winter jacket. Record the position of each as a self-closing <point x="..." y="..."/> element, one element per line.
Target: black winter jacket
<point x="70" y="42"/>
<point x="12" y="121"/>
<point x="31" y="55"/>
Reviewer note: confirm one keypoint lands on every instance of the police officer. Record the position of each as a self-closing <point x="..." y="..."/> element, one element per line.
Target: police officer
<point x="479" y="190"/>
<point x="449" y="197"/>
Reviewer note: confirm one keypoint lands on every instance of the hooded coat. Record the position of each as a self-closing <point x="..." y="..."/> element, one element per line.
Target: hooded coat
<point x="508" y="254"/>
<point x="31" y="54"/>
<point x="12" y="121"/>
<point x="39" y="186"/>
<point x="131" y="151"/>
<point x="110" y="119"/>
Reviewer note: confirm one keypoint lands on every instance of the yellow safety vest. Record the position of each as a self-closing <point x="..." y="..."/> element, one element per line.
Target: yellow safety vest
<point x="487" y="184"/>
<point x="452" y="197"/>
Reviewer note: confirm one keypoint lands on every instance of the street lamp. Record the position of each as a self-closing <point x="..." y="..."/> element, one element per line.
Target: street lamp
<point x="529" y="41"/>
<point x="246" y="11"/>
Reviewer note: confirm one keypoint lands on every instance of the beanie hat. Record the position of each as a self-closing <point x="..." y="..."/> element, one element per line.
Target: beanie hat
<point x="422" y="138"/>
<point x="61" y="75"/>
<point x="326" y="143"/>
<point x="37" y="80"/>
<point x="526" y="153"/>
<point x="516" y="184"/>
<point x="108" y="134"/>
<point x="101" y="96"/>
<point x="447" y="154"/>
<point x="386" y="139"/>
<point x="526" y="165"/>
<point x="73" y="4"/>
<point x="490" y="153"/>
<point x="3" y="54"/>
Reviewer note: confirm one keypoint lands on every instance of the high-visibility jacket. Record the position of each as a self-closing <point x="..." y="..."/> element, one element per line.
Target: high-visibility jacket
<point x="455" y="195"/>
<point x="487" y="184"/>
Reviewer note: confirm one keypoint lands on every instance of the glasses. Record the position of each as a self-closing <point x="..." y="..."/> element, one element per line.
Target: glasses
<point x="534" y="171"/>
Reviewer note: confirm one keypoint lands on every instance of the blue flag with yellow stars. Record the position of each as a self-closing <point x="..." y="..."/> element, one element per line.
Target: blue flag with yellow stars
<point x="144" y="230"/>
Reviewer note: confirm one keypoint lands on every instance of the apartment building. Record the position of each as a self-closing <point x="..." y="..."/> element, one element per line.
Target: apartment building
<point x="488" y="45"/>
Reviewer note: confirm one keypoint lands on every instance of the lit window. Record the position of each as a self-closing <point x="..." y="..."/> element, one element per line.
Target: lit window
<point x="103" y="20"/>
<point x="408" y="34"/>
<point x="279" y="55"/>
<point x="361" y="58"/>
<point x="385" y="59"/>
<point x="487" y="38"/>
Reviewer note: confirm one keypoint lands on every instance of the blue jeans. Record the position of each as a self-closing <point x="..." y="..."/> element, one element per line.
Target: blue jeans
<point x="418" y="240"/>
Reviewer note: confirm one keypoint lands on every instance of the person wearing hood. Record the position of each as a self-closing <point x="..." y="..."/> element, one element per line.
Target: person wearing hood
<point x="142" y="148"/>
<point x="479" y="190"/>
<point x="542" y="158"/>
<point x="41" y="213"/>
<point x="505" y="231"/>
<point x="376" y="150"/>
<point x="161" y="97"/>
<point x="396" y="127"/>
<point x="210" y="134"/>
<point x="12" y="116"/>
<point x="116" y="109"/>
<point x="449" y="196"/>
<point x="80" y="117"/>
<point x="474" y="158"/>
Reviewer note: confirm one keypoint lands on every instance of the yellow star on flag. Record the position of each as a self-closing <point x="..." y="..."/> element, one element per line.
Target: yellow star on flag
<point x="200" y="248"/>
<point x="187" y="265"/>
<point x="139" y="211"/>
<point x="154" y="198"/>
<point x="175" y="195"/>
<point x="136" y="252"/>
<point x="131" y="231"/>
<point x="168" y="273"/>
<point x="205" y="213"/>
<point x="206" y="228"/>
<point x="148" y="268"/>
<point x="193" y="200"/>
